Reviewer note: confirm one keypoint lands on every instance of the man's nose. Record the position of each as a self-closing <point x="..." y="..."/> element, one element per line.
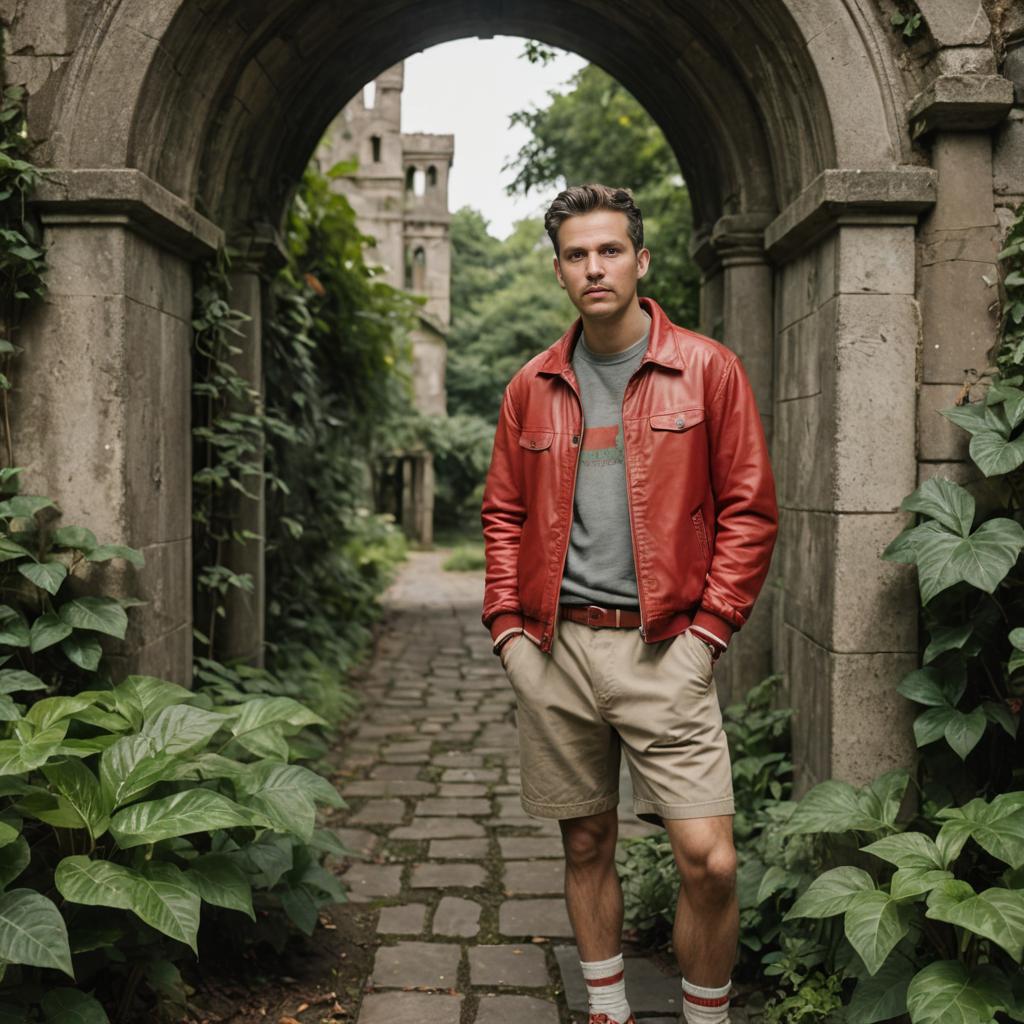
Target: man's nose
<point x="594" y="268"/>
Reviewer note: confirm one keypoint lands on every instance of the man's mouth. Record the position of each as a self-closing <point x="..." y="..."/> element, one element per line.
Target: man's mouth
<point x="597" y="291"/>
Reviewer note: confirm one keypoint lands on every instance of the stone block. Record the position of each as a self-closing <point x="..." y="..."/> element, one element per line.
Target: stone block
<point x="407" y="919"/>
<point x="875" y="401"/>
<point x="515" y="1009"/>
<point x="457" y="916"/>
<point x="438" y="828"/>
<point x="470" y="775"/>
<point x="1008" y="153"/>
<point x="360" y="841"/>
<point x="444" y="876"/>
<point x="458" y="849"/>
<point x="521" y="847"/>
<point x="963" y="161"/>
<point x="534" y="878"/>
<point x="545" y="917"/>
<point x="876" y="258"/>
<point x="368" y="881"/>
<point x="806" y="666"/>
<point x="803" y="456"/>
<point x="800" y="348"/>
<point x="427" y="964"/>
<point x="392" y="772"/>
<point x="513" y="964"/>
<point x="957" y="22"/>
<point x="455" y="805"/>
<point x="807" y="281"/>
<point x="379" y="812"/>
<point x="938" y="438"/>
<point x="456" y="789"/>
<point x="424" y="1008"/>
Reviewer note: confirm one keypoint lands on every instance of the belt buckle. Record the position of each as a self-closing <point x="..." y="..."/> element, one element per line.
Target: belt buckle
<point x="594" y="612"/>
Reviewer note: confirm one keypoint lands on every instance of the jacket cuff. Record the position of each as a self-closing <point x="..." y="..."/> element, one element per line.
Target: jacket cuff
<point x="504" y="621"/>
<point x="718" y="630"/>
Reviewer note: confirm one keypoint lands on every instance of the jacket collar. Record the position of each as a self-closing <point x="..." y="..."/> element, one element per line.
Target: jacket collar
<point x="662" y="346"/>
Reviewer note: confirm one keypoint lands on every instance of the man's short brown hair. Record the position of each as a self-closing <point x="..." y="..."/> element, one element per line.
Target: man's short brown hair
<point x="579" y="199"/>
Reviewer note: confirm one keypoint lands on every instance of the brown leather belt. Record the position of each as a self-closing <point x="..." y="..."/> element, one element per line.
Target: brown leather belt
<point x="595" y="616"/>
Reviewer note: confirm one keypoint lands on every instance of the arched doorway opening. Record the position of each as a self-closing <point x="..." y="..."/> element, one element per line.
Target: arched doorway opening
<point x="789" y="123"/>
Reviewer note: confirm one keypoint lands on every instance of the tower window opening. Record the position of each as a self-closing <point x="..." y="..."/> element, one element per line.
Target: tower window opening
<point x="432" y="176"/>
<point x="369" y="95"/>
<point x="375" y="148"/>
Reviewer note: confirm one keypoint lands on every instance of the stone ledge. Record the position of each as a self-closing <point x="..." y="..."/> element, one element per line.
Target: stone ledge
<point x="129" y="197"/>
<point x="897" y="195"/>
<point x="961" y="103"/>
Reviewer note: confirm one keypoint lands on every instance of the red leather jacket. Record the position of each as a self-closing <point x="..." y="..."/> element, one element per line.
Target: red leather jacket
<point x="700" y="487"/>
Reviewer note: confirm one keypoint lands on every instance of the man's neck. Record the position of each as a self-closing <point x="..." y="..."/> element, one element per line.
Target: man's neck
<point x="607" y="336"/>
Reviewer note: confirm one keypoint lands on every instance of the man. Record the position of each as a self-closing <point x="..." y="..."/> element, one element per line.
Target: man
<point x="629" y="518"/>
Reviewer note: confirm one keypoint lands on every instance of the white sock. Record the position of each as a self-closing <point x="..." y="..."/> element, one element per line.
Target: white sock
<point x="705" y="1005"/>
<point x="606" y="987"/>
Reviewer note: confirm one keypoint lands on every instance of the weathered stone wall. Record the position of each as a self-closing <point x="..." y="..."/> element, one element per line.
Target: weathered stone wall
<point x="849" y="191"/>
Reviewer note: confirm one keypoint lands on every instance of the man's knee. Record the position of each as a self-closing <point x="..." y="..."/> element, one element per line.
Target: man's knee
<point x="590" y="840"/>
<point x="708" y="869"/>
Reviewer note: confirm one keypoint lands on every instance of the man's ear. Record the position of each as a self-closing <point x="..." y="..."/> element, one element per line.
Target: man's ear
<point x="643" y="262"/>
<point x="558" y="272"/>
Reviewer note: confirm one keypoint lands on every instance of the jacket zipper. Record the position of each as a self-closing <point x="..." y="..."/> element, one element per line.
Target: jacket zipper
<point x="629" y="505"/>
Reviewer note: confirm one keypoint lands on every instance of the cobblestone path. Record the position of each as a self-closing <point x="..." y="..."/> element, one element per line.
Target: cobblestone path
<point x="472" y="925"/>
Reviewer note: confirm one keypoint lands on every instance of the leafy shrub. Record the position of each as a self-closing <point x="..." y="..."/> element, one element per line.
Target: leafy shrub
<point x="465" y="558"/>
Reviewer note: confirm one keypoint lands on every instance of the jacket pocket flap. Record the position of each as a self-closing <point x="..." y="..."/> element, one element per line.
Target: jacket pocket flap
<point x="536" y="439"/>
<point x="682" y="420"/>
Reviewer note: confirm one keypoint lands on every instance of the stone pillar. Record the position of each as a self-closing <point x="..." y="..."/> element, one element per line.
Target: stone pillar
<point x="103" y="392"/>
<point x="242" y="633"/>
<point x="845" y="622"/>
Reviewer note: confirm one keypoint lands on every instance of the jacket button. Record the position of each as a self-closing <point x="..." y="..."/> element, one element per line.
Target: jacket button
<point x="680" y="422"/>
<point x="533" y="444"/>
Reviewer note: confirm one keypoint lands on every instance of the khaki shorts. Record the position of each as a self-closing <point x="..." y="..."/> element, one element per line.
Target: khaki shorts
<point x="602" y="690"/>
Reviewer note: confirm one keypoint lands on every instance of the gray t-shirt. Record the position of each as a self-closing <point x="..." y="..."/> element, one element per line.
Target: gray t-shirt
<point x="599" y="567"/>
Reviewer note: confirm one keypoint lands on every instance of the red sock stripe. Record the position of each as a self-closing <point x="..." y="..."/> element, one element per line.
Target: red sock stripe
<point x="610" y="980"/>
<point x="701" y="1001"/>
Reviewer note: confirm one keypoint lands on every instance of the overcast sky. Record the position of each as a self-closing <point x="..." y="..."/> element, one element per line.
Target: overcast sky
<point x="469" y="88"/>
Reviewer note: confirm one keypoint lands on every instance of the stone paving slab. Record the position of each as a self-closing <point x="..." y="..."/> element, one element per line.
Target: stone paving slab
<point x="379" y="812"/>
<point x="405" y="919"/>
<point x="547" y="917"/>
<point x="516" y="1010"/>
<point x="471" y="775"/>
<point x="417" y="963"/>
<point x="534" y="877"/>
<point x="408" y="772"/>
<point x="368" y="881"/>
<point x="511" y="964"/>
<point x="443" y="876"/>
<point x="399" y="1007"/>
<point x="360" y="841"/>
<point x="453" y="805"/>
<point x="388" y="787"/>
<point x="438" y="828"/>
<point x="458" y="849"/>
<point x="521" y="847"/>
<point x="457" y="916"/>
<point x="461" y="789"/>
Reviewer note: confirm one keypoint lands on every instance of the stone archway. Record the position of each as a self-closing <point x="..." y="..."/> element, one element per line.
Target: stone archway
<point x="170" y="125"/>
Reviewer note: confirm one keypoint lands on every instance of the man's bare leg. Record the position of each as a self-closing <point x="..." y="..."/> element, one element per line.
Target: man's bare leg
<point x="593" y="895"/>
<point x="707" y="916"/>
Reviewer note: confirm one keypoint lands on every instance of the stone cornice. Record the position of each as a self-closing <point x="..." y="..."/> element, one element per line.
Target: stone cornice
<point x="130" y="198"/>
<point x="961" y="103"/>
<point x="898" y="195"/>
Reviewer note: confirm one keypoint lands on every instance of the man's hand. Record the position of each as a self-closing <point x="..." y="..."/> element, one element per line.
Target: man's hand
<point x="506" y="644"/>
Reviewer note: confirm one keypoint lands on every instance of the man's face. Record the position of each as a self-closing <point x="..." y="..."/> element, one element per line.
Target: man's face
<point x="596" y="263"/>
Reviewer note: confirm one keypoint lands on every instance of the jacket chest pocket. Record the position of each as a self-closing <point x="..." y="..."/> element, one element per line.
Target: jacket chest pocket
<point x="536" y="440"/>
<point x="677" y="422"/>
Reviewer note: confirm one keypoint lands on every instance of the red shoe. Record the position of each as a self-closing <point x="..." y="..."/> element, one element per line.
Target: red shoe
<point x="603" y="1018"/>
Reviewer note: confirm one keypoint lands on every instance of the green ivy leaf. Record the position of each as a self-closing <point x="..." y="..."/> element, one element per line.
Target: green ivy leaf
<point x="46" y="631"/>
<point x="15" y="680"/>
<point x="130" y="766"/>
<point x="10" y="550"/>
<point x="47" y="576"/>
<point x="945" y="502"/>
<point x="947" y="993"/>
<point x="285" y="794"/>
<point x="80" y="787"/>
<point x="874" y="924"/>
<point x="832" y="893"/>
<point x="183" y="729"/>
<point x="907" y="850"/>
<point x="24" y="506"/>
<point x="105" y="552"/>
<point x="194" y="810"/>
<point x="100" y="614"/>
<point x="947" y="638"/>
<point x="15" y="633"/>
<point x="77" y="537"/>
<point x="83" y="651"/>
<point x="982" y="560"/>
<point x="995" y="454"/>
<point x="221" y="882"/>
<point x="935" y="687"/>
<point x="883" y="996"/>
<point x="71" y="1006"/>
<point x="910" y="883"/>
<point x="997" y="827"/>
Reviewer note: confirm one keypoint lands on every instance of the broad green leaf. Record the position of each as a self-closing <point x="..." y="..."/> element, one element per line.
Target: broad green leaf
<point x="14" y="680"/>
<point x="963" y="731"/>
<point x="159" y="894"/>
<point x="49" y="710"/>
<point x="105" y="552"/>
<point x="883" y="996"/>
<point x="999" y="714"/>
<point x="944" y="501"/>
<point x="10" y="550"/>
<point x="33" y="932"/>
<point x="267" y="742"/>
<point x="995" y="454"/>
<point x="14" y="858"/>
<point x="70" y="1006"/>
<point x="77" y="784"/>
<point x="149" y="696"/>
<point x="1011" y="397"/>
<point x="271" y="856"/>
<point x="131" y="766"/>
<point x="997" y="827"/>
<point x="20" y="756"/>
<point x="262" y="711"/>
<point x="100" y="614"/>
<point x="874" y="923"/>
<point x="832" y="893"/>
<point x="1017" y="637"/>
<point x="831" y="806"/>
<point x="46" y="575"/>
<point x="983" y="559"/>
<point x="23" y="506"/>
<point x="8" y="833"/>
<point x="930" y="725"/>
<point x="46" y="631"/>
<point x="8" y="709"/>
<point x="880" y="800"/>
<point x="945" y="992"/>
<point x="286" y="795"/>
<point x="947" y="638"/>
<point x="996" y="914"/>
<point x="907" y="850"/>
<point x="83" y="651"/>
<point x="971" y="417"/>
<point x="935" y="687"/>
<point x="75" y="537"/>
<point x="220" y="881"/>
<point x="301" y="908"/>
<point x="194" y="810"/>
<point x="910" y="883"/>
<point x="213" y="766"/>
<point x="15" y="633"/>
<point x="183" y="729"/>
